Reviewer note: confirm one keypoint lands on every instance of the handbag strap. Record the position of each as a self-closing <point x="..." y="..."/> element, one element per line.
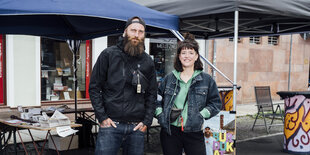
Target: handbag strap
<point x="184" y="101"/>
<point x="127" y="64"/>
<point x="131" y="68"/>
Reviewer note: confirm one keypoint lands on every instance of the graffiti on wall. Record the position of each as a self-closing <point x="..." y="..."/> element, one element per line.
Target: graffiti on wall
<point x="297" y="124"/>
<point x="227" y="100"/>
<point x="223" y="143"/>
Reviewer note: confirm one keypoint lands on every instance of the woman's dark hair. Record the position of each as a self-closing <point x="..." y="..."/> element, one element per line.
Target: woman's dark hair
<point x="188" y="43"/>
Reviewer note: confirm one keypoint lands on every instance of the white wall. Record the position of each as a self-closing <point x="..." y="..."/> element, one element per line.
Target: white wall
<point x="203" y="51"/>
<point x="98" y="45"/>
<point x="147" y="45"/>
<point x="23" y="71"/>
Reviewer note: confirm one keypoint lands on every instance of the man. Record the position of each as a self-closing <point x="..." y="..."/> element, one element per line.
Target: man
<point x="123" y="90"/>
<point x="209" y="141"/>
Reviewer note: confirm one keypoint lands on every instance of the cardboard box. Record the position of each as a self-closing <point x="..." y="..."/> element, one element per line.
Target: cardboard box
<point x="79" y="94"/>
<point x="65" y="95"/>
<point x="62" y="143"/>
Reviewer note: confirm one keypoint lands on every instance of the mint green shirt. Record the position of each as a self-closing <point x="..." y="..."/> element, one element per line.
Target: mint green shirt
<point x="180" y="99"/>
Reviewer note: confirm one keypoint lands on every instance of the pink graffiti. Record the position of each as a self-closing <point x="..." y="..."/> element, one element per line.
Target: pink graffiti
<point x="293" y="103"/>
<point x="295" y="142"/>
<point x="305" y="139"/>
<point x="300" y="142"/>
<point x="307" y="108"/>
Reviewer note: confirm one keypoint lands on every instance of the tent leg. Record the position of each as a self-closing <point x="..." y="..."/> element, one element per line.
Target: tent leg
<point x="74" y="46"/>
<point x="235" y="58"/>
<point x="290" y="64"/>
<point x="75" y="84"/>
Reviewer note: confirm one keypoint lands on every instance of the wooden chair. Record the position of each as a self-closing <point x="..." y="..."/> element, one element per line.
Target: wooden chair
<point x="265" y="107"/>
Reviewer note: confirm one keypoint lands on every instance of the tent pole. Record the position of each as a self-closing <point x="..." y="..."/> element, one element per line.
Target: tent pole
<point x="235" y="58"/>
<point x="290" y="61"/>
<point x="206" y="54"/>
<point x="74" y="46"/>
<point x="75" y="83"/>
<point x="214" y="58"/>
<point x="213" y="67"/>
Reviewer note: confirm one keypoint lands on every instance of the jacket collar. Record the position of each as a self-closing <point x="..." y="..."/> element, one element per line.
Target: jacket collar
<point x="196" y="78"/>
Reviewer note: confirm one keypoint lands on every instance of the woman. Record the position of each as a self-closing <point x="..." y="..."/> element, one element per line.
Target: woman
<point x="195" y="93"/>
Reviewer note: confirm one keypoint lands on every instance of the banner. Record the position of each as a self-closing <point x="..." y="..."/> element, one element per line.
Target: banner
<point x="219" y="134"/>
<point x="219" y="131"/>
<point x="88" y="65"/>
<point x="1" y="69"/>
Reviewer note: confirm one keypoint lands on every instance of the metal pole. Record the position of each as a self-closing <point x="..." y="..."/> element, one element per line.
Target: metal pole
<point x="290" y="61"/>
<point x="214" y="59"/>
<point x="75" y="83"/>
<point x="235" y="58"/>
<point x="74" y="46"/>
<point x="213" y="67"/>
<point x="206" y="46"/>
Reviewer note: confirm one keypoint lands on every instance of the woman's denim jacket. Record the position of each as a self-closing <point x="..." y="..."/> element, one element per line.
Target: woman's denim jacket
<point x="203" y="93"/>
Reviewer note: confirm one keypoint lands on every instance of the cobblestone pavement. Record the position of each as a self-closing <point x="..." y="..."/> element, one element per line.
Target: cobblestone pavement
<point x="258" y="141"/>
<point x="244" y="128"/>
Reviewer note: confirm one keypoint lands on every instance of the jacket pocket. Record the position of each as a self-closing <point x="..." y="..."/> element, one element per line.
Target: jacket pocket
<point x="201" y="95"/>
<point x="197" y="122"/>
<point x="161" y="120"/>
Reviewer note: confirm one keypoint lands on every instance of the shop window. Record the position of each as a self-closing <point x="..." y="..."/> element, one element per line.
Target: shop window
<point x="163" y="52"/>
<point x="255" y="40"/>
<point x="2" y="70"/>
<point x="273" y="40"/>
<point x="57" y="70"/>
<point x="232" y="40"/>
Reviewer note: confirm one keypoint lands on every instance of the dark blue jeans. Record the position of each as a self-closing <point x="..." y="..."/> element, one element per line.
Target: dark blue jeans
<point x="192" y="142"/>
<point x="110" y="139"/>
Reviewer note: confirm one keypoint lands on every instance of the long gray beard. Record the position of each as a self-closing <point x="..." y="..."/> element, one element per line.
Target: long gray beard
<point x="133" y="50"/>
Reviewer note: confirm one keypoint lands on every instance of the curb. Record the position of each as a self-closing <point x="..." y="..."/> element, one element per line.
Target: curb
<point x="259" y="137"/>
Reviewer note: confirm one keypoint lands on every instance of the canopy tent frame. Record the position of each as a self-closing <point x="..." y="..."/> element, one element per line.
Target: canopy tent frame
<point x="212" y="19"/>
<point x="282" y="27"/>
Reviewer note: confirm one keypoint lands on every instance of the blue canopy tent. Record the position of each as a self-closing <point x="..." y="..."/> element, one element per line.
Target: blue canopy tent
<point x="76" y="20"/>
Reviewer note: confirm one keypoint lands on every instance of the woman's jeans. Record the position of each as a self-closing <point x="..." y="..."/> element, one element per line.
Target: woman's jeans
<point x="191" y="142"/>
<point x="110" y="139"/>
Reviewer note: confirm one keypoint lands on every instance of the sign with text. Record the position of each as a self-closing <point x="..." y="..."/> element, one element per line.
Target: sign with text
<point x="1" y="69"/>
<point x="88" y="65"/>
<point x="219" y="132"/>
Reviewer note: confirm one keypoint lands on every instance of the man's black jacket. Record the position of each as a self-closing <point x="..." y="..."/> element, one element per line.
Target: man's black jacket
<point x="111" y="91"/>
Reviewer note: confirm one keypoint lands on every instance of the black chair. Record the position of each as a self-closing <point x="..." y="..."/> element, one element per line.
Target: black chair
<point x="265" y="107"/>
<point x="86" y="137"/>
<point x="153" y="125"/>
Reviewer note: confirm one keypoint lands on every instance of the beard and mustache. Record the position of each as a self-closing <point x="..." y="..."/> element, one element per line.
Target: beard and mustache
<point x="132" y="48"/>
